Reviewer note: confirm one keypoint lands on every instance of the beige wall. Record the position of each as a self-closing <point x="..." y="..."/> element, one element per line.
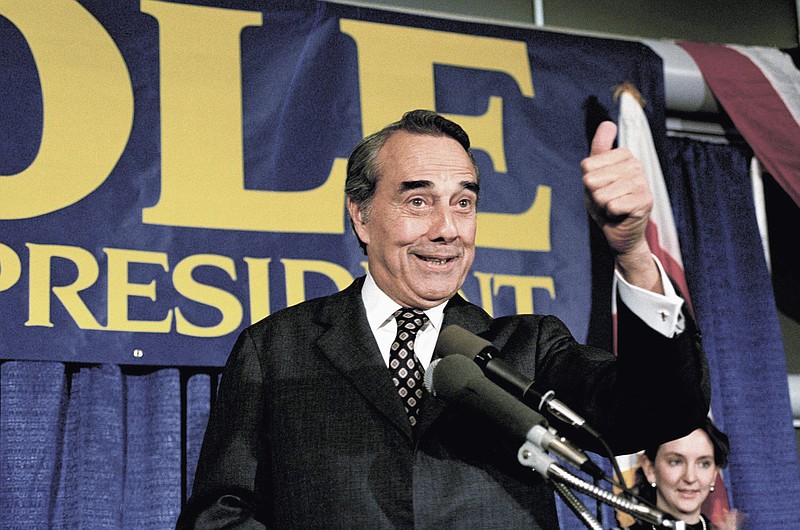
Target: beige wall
<point x="765" y="23"/>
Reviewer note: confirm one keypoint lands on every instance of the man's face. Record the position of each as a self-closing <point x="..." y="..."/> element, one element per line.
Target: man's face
<point x="420" y="227"/>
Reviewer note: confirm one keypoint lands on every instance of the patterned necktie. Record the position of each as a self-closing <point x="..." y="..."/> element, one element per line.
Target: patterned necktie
<point x="405" y="368"/>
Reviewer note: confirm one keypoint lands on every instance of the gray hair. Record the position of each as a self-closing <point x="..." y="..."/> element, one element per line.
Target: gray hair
<point x="363" y="170"/>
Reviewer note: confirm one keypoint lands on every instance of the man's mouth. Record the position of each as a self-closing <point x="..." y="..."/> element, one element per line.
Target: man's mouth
<point x="436" y="261"/>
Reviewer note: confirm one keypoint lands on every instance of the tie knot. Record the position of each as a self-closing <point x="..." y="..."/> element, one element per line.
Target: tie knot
<point x="410" y="319"/>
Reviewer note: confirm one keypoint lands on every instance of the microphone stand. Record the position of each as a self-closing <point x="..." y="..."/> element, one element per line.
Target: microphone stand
<point x="529" y="455"/>
<point x="577" y="507"/>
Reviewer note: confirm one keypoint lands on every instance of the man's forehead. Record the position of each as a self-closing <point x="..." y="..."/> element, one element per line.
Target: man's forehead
<point x="426" y="157"/>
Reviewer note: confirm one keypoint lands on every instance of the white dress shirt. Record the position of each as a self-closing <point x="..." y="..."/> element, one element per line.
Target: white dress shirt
<point x="660" y="312"/>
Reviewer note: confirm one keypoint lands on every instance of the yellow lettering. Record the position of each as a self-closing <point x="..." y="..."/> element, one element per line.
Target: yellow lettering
<point x="295" y="277"/>
<point x="120" y="290"/>
<point x="523" y="286"/>
<point x="202" y="155"/>
<point x="412" y="53"/>
<point x="87" y="104"/>
<point x="10" y="267"/>
<point x="41" y="257"/>
<point x="258" y="283"/>
<point x="227" y="304"/>
<point x="529" y="230"/>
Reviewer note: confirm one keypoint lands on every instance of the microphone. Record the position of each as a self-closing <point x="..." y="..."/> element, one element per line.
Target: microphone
<point x="531" y="456"/>
<point x="458" y="380"/>
<point x="455" y="339"/>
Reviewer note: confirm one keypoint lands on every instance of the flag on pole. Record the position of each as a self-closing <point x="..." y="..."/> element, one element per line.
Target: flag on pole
<point x="661" y="233"/>
<point x="662" y="237"/>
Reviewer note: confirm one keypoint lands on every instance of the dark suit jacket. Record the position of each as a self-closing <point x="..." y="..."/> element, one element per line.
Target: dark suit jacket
<point x="308" y="430"/>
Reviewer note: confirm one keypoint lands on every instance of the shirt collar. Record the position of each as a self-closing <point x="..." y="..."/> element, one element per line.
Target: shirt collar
<point x="380" y="307"/>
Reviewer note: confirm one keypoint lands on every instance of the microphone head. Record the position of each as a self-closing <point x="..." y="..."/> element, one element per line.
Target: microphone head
<point x="458" y="380"/>
<point x="455" y="339"/>
<point x="448" y="376"/>
<point x="427" y="377"/>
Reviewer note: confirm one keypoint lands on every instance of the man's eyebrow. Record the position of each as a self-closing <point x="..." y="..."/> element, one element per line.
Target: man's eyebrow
<point x="407" y="185"/>
<point x="472" y="186"/>
<point x="415" y="184"/>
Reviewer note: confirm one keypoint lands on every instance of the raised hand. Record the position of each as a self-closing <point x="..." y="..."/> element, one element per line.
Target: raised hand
<point x="619" y="200"/>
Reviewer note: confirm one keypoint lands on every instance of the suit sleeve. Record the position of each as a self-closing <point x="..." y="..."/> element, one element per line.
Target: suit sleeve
<point x="225" y="492"/>
<point x="656" y="388"/>
<point x="666" y="380"/>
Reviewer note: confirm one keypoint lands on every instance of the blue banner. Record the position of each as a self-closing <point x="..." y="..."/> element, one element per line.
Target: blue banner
<point x="174" y="171"/>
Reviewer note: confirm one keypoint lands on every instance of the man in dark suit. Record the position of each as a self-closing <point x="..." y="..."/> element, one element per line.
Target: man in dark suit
<point x="309" y="429"/>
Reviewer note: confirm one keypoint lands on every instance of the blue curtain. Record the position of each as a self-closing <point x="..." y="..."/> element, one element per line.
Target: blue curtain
<point x="97" y="446"/>
<point x="726" y="270"/>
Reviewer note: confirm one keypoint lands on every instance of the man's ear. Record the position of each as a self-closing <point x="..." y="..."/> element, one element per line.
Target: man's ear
<point x="356" y="215"/>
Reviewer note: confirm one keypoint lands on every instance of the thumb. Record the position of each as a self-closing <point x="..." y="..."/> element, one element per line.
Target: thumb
<point x="604" y="138"/>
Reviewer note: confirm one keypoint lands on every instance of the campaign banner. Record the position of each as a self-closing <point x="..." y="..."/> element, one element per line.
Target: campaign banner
<point x="174" y="171"/>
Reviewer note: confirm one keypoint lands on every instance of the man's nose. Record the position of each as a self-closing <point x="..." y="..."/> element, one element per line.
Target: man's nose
<point x="443" y="225"/>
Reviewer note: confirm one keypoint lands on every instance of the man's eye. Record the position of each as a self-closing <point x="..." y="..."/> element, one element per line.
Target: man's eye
<point x="465" y="203"/>
<point x="417" y="202"/>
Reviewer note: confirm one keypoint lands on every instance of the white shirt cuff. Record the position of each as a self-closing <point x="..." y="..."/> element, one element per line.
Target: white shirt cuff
<point x="662" y="312"/>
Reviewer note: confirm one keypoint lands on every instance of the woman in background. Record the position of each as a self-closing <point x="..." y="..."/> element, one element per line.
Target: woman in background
<point x="677" y="476"/>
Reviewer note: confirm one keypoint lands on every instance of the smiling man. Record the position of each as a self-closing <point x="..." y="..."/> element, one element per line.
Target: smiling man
<point x="321" y="420"/>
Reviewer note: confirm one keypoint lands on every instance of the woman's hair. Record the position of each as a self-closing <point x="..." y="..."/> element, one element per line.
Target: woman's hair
<point x="719" y="441"/>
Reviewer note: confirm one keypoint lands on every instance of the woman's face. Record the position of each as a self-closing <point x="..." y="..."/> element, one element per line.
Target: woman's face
<point x="684" y="471"/>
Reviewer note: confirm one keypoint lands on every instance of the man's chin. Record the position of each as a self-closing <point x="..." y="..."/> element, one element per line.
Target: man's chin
<point x="436" y="296"/>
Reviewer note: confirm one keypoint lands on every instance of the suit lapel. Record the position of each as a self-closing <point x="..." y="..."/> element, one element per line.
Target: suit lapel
<point x="350" y="345"/>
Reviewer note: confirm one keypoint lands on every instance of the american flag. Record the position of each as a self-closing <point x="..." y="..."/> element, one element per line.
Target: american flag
<point x="662" y="237"/>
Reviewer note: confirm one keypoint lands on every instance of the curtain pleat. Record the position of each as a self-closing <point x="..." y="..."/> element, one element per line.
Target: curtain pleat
<point x="94" y="449"/>
<point x="32" y="403"/>
<point x="152" y="487"/>
<point x="198" y="406"/>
